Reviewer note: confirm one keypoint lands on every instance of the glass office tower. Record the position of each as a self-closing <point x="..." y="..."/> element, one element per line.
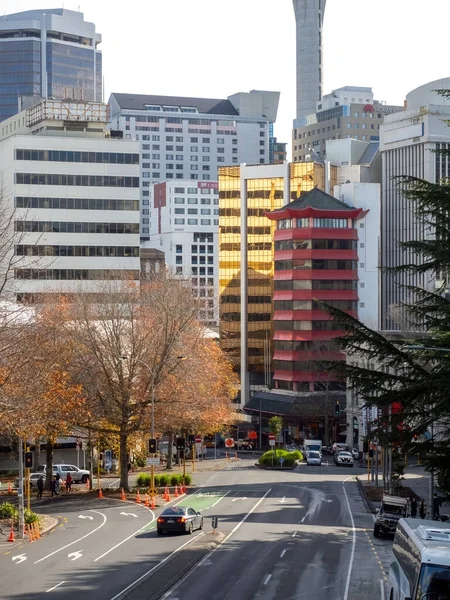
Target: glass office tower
<point x="50" y="54"/>
<point x="246" y="307"/>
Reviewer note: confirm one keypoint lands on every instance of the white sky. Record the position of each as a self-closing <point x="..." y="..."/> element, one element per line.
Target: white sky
<point x="213" y="48"/>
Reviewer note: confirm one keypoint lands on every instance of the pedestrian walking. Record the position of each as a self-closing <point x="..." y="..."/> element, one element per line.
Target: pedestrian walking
<point x="436" y="507"/>
<point x="40" y="487"/>
<point x="413" y="508"/>
<point x="69" y="481"/>
<point x="422" y="509"/>
<point x="57" y="483"/>
<point x="53" y="487"/>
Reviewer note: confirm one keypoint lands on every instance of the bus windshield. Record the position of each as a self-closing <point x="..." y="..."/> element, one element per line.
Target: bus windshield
<point x="434" y="583"/>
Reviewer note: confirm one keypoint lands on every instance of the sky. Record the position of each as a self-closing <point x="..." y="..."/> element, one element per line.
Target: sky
<point x="208" y="48"/>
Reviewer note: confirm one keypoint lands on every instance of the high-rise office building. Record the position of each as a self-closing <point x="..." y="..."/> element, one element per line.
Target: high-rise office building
<point x="347" y="112"/>
<point x="74" y="195"/>
<point x="246" y="265"/>
<point x="309" y="21"/>
<point x="190" y="138"/>
<point x="410" y="141"/>
<point x="48" y="53"/>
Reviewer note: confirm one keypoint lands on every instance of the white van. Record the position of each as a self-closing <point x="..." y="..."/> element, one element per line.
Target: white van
<point x="420" y="569"/>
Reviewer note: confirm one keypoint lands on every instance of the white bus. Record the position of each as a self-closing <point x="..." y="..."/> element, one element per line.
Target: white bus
<point x="420" y="569"/>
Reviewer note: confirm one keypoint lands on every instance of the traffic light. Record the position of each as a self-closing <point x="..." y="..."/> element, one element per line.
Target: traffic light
<point x="152" y="446"/>
<point x="191" y="439"/>
<point x="181" y="443"/>
<point x="337" y="409"/>
<point x="28" y="460"/>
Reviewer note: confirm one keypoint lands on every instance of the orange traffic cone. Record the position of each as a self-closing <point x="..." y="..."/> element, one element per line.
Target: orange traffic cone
<point x="152" y="503"/>
<point x="176" y="492"/>
<point x="138" y="497"/>
<point x="122" y="496"/>
<point x="11" y="537"/>
<point x="9" y="488"/>
<point x="146" y="503"/>
<point x="88" y="484"/>
<point x="100" y="493"/>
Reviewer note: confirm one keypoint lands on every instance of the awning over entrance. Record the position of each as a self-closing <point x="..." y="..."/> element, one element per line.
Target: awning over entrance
<point x="300" y="405"/>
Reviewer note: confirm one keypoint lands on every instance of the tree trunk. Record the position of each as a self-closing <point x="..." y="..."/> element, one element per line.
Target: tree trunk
<point x="123" y="443"/>
<point x="37" y="454"/>
<point x="48" y="463"/>
<point x="327" y="427"/>
<point x="170" y="452"/>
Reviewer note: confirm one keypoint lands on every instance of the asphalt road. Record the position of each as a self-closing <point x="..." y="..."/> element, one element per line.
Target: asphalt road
<point x="296" y="534"/>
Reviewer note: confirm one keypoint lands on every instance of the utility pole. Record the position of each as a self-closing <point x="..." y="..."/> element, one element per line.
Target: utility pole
<point x="20" y="492"/>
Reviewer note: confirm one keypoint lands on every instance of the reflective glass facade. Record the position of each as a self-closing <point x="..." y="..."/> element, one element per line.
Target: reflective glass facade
<point x="20" y="72"/>
<point x="72" y="71"/>
<point x="262" y="195"/>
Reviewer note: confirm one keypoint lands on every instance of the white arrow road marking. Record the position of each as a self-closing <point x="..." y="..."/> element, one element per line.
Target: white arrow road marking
<point x="283" y="499"/>
<point x="85" y="517"/>
<point x="18" y="558"/>
<point x="243" y="498"/>
<point x="75" y="555"/>
<point x="128" y="515"/>
<point x="326" y="500"/>
<point x="75" y="541"/>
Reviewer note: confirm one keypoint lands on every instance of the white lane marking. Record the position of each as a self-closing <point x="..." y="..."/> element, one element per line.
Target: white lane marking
<point x="283" y="499"/>
<point x="303" y="520"/>
<point x="75" y="555"/>
<point x="221" y="498"/>
<point x="129" y="537"/>
<point x="113" y="483"/>
<point x="267" y="579"/>
<point x="294" y="534"/>
<point x="382" y="589"/>
<point x="76" y="541"/>
<point x="86" y="517"/>
<point x="208" y="556"/>
<point x="129" y="515"/>
<point x="283" y="553"/>
<point x="352" y="555"/>
<point x="119" y="595"/>
<point x="54" y="587"/>
<point x="243" y="498"/>
<point x="18" y="558"/>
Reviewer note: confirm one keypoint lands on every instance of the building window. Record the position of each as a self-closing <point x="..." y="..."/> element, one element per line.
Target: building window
<point x="192" y="221"/>
<point x="179" y="221"/>
<point x="362" y="305"/>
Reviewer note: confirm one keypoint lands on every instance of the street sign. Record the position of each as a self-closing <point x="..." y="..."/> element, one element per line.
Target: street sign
<point x="152" y="462"/>
<point x="108" y="459"/>
<point x="272" y="442"/>
<point x="281" y="460"/>
<point x="198" y="439"/>
<point x="271" y="436"/>
<point x="229" y="442"/>
<point x="252" y="435"/>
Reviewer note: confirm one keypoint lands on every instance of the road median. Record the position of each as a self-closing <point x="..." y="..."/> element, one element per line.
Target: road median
<point x="167" y="574"/>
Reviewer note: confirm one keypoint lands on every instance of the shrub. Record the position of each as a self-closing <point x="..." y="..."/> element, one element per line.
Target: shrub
<point x="8" y="511"/>
<point x="188" y="480"/>
<point x="164" y="479"/>
<point x="31" y="517"/>
<point x="290" y="458"/>
<point x="143" y="480"/>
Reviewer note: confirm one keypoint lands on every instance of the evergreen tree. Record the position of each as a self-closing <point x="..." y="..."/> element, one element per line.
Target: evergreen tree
<point x="411" y="385"/>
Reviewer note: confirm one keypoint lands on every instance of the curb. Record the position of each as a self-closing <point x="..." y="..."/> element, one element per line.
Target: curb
<point x="366" y="500"/>
<point x="51" y="525"/>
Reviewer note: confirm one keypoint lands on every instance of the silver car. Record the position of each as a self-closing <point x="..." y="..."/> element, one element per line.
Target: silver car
<point x="314" y="458"/>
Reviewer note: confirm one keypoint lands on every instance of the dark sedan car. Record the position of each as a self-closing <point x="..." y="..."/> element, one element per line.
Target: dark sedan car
<point x="179" y="518"/>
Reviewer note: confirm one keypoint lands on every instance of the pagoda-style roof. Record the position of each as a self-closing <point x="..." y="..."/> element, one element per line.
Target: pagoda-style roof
<point x="316" y="203"/>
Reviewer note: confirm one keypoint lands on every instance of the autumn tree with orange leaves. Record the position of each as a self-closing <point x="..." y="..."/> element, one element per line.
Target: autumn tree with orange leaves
<point x="127" y="343"/>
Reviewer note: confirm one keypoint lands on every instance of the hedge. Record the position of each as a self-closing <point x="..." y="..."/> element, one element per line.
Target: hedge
<point x="163" y="479"/>
<point x="9" y="511"/>
<point x="273" y="457"/>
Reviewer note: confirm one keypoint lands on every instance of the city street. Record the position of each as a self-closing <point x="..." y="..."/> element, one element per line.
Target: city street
<point x="303" y="534"/>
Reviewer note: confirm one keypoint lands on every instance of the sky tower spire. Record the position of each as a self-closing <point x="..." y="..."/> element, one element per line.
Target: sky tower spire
<point x="309" y="19"/>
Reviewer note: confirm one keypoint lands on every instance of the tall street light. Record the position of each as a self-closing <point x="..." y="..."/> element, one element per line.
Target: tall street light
<point x="420" y="347"/>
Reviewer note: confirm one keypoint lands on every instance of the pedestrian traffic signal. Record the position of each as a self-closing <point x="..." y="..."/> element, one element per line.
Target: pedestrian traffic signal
<point x="181" y="443"/>
<point x="28" y="460"/>
<point x="152" y="446"/>
<point x="337" y="409"/>
<point x="191" y="439"/>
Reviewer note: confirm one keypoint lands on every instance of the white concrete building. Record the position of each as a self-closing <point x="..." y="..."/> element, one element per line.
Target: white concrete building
<point x="76" y="197"/>
<point x="185" y="226"/>
<point x="408" y="143"/>
<point x="358" y="176"/>
<point x="190" y="138"/>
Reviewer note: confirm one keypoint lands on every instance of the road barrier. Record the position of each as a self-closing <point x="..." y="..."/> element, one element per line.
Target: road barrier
<point x="100" y="493"/>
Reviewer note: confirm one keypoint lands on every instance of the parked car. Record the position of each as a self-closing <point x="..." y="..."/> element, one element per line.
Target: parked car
<point x="392" y="509"/>
<point x="33" y="480"/>
<point x="343" y="459"/>
<point x="179" y="518"/>
<point x="78" y="475"/>
<point x="355" y="453"/>
<point x="314" y="458"/>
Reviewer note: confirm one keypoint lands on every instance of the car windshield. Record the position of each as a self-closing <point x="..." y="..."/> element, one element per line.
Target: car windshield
<point x="393" y="509"/>
<point x="344" y="454"/>
<point x="434" y="581"/>
<point x="314" y="455"/>
<point x="173" y="511"/>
